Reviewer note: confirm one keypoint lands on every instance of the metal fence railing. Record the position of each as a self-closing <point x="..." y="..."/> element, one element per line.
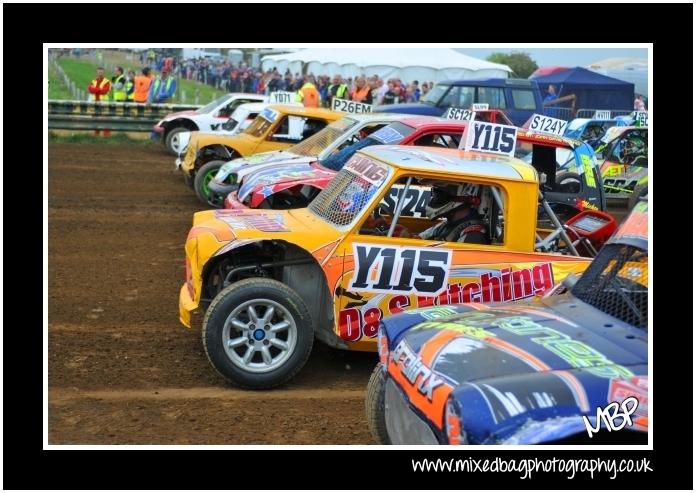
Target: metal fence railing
<point x="93" y="115"/>
<point x="601" y="114"/>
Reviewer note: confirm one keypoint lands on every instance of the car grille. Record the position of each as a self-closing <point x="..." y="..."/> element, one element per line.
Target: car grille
<point x="404" y="426"/>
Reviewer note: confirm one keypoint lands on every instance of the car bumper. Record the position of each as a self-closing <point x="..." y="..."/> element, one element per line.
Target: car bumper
<point x="186" y="306"/>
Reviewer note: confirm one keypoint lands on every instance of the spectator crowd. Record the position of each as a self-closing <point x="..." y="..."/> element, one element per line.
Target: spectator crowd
<point x="228" y="76"/>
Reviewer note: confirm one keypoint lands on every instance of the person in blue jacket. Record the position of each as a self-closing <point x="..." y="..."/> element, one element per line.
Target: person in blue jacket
<point x="163" y="88"/>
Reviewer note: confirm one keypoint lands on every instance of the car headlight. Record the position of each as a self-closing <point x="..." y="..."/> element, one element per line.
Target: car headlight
<point x="454" y="429"/>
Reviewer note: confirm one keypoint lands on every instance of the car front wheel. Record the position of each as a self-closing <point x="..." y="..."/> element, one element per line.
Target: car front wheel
<point x="374" y="407"/>
<point x="203" y="177"/>
<point x="258" y="333"/>
<point x="171" y="141"/>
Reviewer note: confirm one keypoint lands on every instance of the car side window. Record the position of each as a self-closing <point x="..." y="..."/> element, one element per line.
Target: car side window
<point x="523" y="99"/>
<point x="493" y="96"/>
<point x="438" y="140"/>
<point x="439" y="210"/>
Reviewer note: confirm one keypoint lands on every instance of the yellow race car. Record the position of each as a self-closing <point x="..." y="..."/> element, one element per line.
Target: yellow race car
<point x="277" y="127"/>
<point x="271" y="281"/>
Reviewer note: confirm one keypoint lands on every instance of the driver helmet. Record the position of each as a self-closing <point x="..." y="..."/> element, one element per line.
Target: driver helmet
<point x="448" y="198"/>
<point x="634" y="146"/>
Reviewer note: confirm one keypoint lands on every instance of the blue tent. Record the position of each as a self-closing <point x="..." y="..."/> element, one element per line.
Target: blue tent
<point x="593" y="90"/>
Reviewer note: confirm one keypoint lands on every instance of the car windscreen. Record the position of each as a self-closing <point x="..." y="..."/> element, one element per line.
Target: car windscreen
<point x="258" y="127"/>
<point x="212" y="105"/>
<point x="435" y="94"/>
<point x="617" y="284"/>
<point x="315" y="144"/>
<point x="346" y="196"/>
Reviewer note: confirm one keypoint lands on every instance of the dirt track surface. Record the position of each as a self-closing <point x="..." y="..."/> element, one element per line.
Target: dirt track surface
<point x="122" y="369"/>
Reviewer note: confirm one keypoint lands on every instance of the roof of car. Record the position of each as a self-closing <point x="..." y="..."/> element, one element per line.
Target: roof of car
<point x="485" y="165"/>
<point x="253" y="106"/>
<point x="376" y="117"/>
<point x="289" y="109"/>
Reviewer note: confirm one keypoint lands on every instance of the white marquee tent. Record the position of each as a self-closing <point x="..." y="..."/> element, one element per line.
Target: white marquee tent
<point x="633" y="70"/>
<point x="422" y="64"/>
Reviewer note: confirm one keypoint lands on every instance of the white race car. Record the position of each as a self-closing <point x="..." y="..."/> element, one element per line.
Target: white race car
<point x="209" y="117"/>
<point x="240" y="119"/>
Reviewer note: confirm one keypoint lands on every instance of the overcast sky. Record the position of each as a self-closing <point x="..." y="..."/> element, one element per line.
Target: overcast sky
<point x="570" y="57"/>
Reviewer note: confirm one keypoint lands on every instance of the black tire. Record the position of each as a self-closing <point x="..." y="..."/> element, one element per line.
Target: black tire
<point x="374" y="407"/>
<point x="639" y="192"/>
<point x="257" y="291"/>
<point x="169" y="139"/>
<point x="200" y="184"/>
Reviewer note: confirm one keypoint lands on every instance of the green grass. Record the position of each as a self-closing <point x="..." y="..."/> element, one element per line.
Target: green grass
<point x="83" y="71"/>
<point x="56" y="86"/>
<point x="90" y="138"/>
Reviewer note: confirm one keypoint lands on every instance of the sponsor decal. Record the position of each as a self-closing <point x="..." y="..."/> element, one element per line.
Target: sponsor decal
<point x="547" y="125"/>
<point x="459" y="114"/>
<point x="415" y="372"/>
<point x="503" y="285"/>
<point x="367" y="169"/>
<point x="479" y="106"/>
<point x="251" y="221"/>
<point x="269" y="114"/>
<point x="350" y="106"/>
<point x="584" y="204"/>
<point x="438" y="312"/>
<point x="387" y="135"/>
<point x="490" y="137"/>
<point x="378" y="266"/>
<point x="575" y="353"/>
<point x="588" y="170"/>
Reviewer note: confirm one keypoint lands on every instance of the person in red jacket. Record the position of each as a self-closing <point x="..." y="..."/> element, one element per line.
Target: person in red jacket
<point x="99" y="91"/>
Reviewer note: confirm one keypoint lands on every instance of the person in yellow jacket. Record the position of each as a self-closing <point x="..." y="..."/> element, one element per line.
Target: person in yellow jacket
<point x="308" y="94"/>
<point x="118" y="85"/>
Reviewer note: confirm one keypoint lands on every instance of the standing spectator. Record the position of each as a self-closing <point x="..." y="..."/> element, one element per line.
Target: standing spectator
<point x="130" y="86"/>
<point x="337" y="89"/>
<point x="118" y="84"/>
<point x="638" y="103"/>
<point x="416" y="90"/>
<point x="362" y="92"/>
<point x="308" y="94"/>
<point x="409" y="96"/>
<point x="99" y="91"/>
<point x="234" y="83"/>
<point x="142" y="86"/>
<point x="244" y="82"/>
<point x="392" y="95"/>
<point x="425" y="89"/>
<point x="548" y="100"/>
<point x="163" y="88"/>
<point x="382" y="89"/>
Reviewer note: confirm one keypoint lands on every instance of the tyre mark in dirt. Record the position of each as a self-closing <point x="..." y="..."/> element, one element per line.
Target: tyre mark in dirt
<point x="60" y="396"/>
<point x="118" y="219"/>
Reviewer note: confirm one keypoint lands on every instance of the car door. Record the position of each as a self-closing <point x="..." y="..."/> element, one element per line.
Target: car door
<point x="382" y="275"/>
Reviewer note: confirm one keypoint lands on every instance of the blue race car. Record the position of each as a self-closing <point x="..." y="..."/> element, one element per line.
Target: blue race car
<point x="592" y="130"/>
<point x="524" y="373"/>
